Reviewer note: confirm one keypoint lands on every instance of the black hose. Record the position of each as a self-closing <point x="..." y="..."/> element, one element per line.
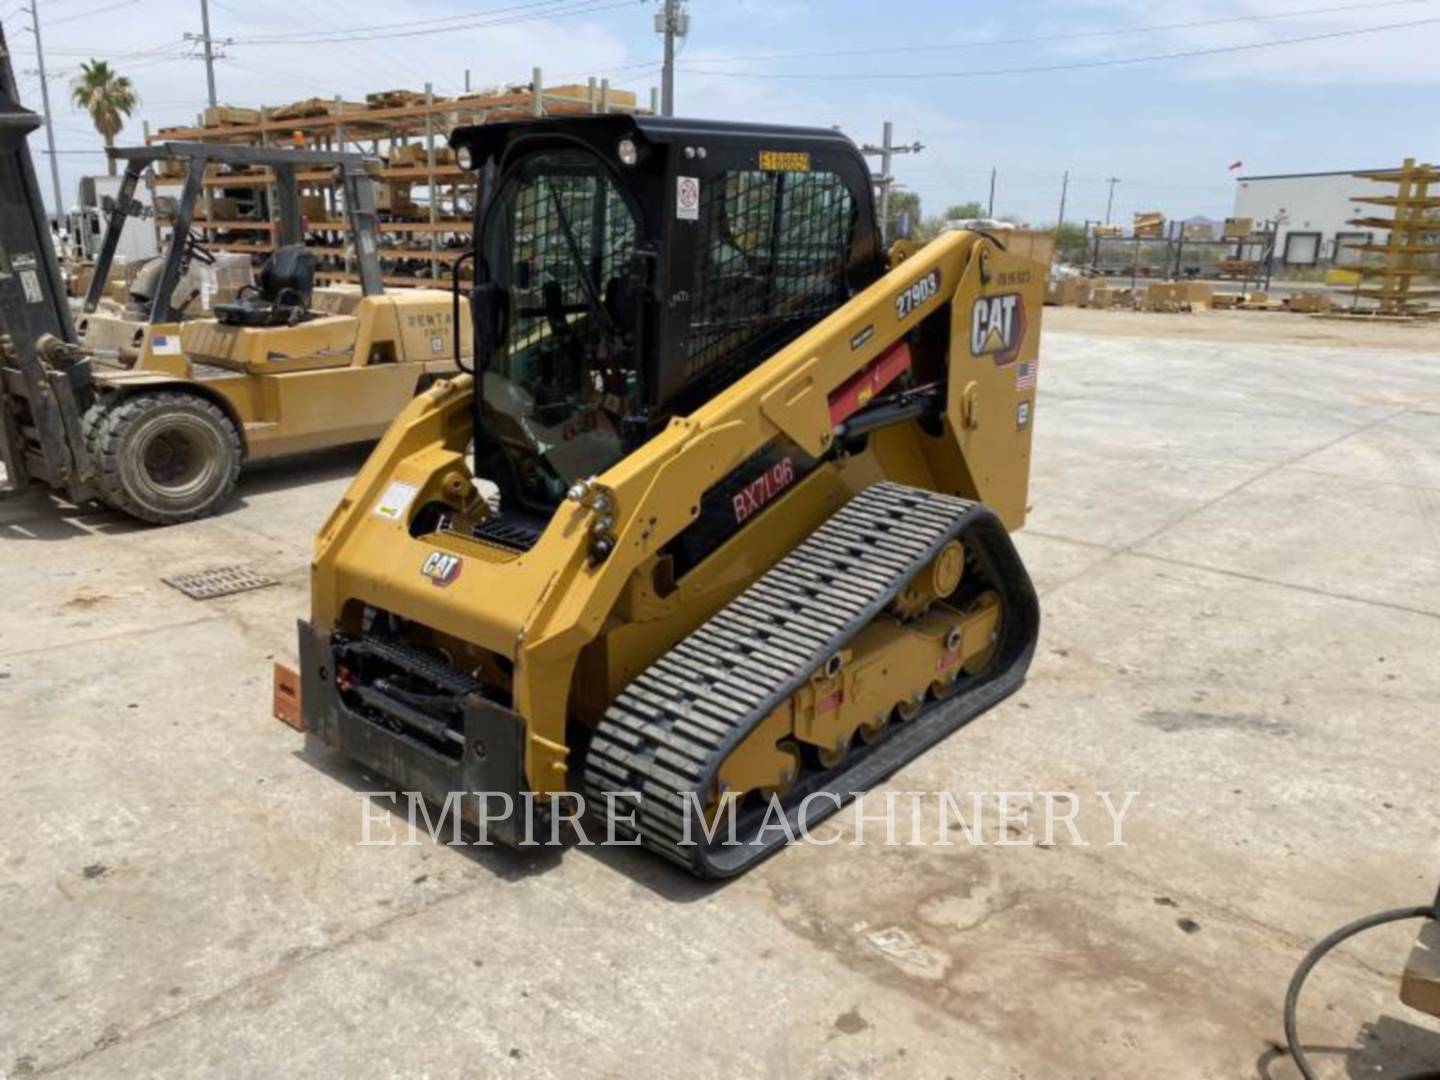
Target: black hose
<point x="1314" y="956"/>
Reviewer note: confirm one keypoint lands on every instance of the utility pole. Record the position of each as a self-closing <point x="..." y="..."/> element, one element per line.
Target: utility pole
<point x="1110" y="200"/>
<point x="1064" y="186"/>
<point x="45" y="104"/>
<point x="886" y="180"/>
<point x="990" y="213"/>
<point x="673" y="22"/>
<point x="209" y="51"/>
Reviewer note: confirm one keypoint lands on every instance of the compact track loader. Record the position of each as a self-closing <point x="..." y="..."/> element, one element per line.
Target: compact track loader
<point x="156" y="416"/>
<point x="719" y="529"/>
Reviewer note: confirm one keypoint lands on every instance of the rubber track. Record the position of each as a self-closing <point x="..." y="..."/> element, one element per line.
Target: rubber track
<point x="672" y="727"/>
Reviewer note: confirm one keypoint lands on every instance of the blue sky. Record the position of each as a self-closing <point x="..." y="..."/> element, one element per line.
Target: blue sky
<point x="947" y="73"/>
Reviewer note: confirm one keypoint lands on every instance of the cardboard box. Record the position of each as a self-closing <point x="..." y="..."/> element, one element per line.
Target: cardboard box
<point x="412" y="153"/>
<point x="1036" y="244"/>
<point x="1106" y="230"/>
<point x="1309" y="302"/>
<point x="1075" y="291"/>
<point x="312" y="208"/>
<point x="1178" y="296"/>
<point x="392" y="196"/>
<point x="221" y="208"/>
<point x="1197" y="230"/>
<point x="1237" y="228"/>
<point x="1148" y="223"/>
<point x="1199" y="296"/>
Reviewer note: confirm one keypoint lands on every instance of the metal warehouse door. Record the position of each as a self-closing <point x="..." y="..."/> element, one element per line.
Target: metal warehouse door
<point x="1302" y="248"/>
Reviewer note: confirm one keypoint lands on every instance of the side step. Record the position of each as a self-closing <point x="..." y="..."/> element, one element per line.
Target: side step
<point x="668" y="733"/>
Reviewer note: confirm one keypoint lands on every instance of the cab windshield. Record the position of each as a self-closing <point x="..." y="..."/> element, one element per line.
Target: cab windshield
<point x="558" y="241"/>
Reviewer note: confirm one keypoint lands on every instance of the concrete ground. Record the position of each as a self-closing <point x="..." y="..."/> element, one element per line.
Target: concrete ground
<point x="1238" y="549"/>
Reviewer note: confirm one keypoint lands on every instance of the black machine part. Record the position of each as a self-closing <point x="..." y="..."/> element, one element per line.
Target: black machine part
<point x="282" y="296"/>
<point x="1320" y="950"/>
<point x="44" y="384"/>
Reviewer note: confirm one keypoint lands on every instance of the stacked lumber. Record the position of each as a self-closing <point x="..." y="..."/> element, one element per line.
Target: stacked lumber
<point x="310" y="107"/>
<point x="229" y="116"/>
<point x="395" y="99"/>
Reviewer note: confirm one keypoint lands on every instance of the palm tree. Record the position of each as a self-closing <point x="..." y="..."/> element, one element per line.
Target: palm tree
<point x="107" y="97"/>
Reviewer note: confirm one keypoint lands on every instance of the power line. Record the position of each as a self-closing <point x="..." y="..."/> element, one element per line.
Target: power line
<point x="94" y="50"/>
<point x="980" y="43"/>
<point x="1075" y="66"/>
<point x="93" y="11"/>
<point x="582" y="7"/>
<point x="379" y="28"/>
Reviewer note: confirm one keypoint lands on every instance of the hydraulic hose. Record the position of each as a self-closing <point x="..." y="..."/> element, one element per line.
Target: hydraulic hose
<point x="1314" y="956"/>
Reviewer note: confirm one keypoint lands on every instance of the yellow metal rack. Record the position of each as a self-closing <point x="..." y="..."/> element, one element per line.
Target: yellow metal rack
<point x="1402" y="281"/>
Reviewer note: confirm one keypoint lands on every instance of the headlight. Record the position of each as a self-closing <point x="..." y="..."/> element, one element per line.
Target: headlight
<point x="629" y="153"/>
<point x="465" y="157"/>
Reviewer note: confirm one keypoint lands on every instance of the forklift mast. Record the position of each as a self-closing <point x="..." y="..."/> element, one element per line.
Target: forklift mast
<point x="25" y="233"/>
<point x="44" y="384"/>
<point x="353" y="170"/>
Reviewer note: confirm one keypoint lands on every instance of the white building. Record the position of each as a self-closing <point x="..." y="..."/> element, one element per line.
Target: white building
<point x="1312" y="211"/>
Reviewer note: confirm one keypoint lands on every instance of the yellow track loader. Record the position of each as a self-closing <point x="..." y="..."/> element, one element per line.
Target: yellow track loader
<point x="155" y="416"/>
<point x="719" y="527"/>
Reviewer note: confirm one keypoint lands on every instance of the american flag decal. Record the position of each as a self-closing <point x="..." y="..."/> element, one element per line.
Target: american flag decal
<point x="1025" y="374"/>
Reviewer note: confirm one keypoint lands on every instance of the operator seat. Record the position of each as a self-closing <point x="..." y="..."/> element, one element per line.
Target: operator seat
<point x="282" y="295"/>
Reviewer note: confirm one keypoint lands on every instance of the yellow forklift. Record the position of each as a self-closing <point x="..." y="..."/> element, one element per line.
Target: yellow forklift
<point x="160" y="428"/>
<point x="756" y="474"/>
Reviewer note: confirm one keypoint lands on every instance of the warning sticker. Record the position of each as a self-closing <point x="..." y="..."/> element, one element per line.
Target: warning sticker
<point x="687" y="198"/>
<point x="31" y="282"/>
<point x="396" y="500"/>
<point x="165" y="344"/>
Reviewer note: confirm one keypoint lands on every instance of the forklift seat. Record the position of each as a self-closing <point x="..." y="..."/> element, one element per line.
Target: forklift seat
<point x="281" y="297"/>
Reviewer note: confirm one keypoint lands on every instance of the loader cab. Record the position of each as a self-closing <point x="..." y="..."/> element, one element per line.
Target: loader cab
<point x="629" y="268"/>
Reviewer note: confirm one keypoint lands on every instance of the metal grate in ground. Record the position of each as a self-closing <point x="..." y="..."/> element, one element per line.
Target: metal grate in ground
<point x="221" y="581"/>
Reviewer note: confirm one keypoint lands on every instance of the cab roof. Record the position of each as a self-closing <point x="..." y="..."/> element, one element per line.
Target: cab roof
<point x="604" y="130"/>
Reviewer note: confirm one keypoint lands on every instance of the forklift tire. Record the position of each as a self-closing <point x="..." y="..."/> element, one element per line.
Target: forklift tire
<point x="165" y="457"/>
